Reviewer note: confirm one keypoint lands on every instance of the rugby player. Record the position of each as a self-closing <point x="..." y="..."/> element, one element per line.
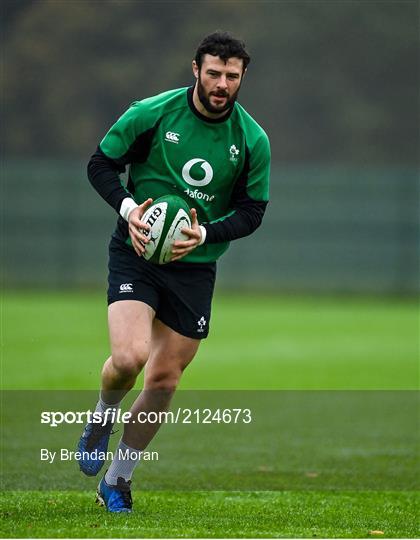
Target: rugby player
<point x="199" y="143"/>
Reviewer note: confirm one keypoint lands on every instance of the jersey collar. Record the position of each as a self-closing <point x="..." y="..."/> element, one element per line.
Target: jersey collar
<point x="190" y="91"/>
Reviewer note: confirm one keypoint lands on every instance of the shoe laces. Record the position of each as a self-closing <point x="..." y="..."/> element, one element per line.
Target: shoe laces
<point x="125" y="492"/>
<point x="97" y="432"/>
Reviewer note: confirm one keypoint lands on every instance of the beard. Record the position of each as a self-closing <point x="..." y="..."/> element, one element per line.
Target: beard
<point x="205" y="99"/>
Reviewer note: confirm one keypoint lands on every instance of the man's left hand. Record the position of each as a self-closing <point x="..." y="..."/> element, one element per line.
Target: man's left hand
<point x="183" y="247"/>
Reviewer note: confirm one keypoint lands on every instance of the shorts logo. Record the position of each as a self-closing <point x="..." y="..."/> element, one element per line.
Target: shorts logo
<point x="186" y="170"/>
<point x="126" y="287"/>
<point x="201" y="324"/>
<point x="170" y="136"/>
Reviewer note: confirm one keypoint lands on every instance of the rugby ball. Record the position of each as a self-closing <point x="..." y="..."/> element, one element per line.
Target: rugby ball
<point x="166" y="217"/>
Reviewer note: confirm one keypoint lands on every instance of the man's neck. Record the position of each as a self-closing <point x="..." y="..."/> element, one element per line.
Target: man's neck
<point x="202" y="110"/>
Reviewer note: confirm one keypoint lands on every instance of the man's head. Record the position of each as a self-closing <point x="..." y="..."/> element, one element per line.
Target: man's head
<point x="219" y="66"/>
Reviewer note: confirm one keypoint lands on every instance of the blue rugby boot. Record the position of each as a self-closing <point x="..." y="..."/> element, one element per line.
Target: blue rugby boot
<point x="115" y="498"/>
<point x="93" y="444"/>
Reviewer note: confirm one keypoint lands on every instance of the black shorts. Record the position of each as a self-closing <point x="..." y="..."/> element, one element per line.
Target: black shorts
<point x="180" y="293"/>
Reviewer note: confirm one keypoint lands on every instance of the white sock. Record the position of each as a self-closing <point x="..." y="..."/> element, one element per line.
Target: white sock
<point x="125" y="461"/>
<point x="102" y="407"/>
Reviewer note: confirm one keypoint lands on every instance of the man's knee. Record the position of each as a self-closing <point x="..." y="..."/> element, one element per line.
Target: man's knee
<point x="163" y="379"/>
<point x="128" y="362"/>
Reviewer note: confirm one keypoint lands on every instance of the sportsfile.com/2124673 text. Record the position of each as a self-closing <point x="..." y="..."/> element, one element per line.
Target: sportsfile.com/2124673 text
<point x="177" y="416"/>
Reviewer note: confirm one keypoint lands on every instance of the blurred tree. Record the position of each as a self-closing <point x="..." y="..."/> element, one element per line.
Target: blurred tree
<point x="330" y="81"/>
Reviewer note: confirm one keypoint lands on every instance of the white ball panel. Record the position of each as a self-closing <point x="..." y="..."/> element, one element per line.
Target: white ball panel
<point x="181" y="221"/>
<point x="155" y="217"/>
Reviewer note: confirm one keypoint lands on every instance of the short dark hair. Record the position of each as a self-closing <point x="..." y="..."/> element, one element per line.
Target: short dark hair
<point x="224" y="45"/>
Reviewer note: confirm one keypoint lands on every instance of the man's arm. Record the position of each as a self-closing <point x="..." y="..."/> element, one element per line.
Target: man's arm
<point x="103" y="173"/>
<point x="128" y="141"/>
<point x="244" y="220"/>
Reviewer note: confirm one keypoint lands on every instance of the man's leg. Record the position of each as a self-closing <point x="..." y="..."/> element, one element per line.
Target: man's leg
<point x="130" y="327"/>
<point x="130" y="331"/>
<point x="170" y="354"/>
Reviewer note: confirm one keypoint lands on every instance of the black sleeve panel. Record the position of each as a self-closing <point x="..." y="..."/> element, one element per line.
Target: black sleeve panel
<point x="103" y="171"/>
<point x="246" y="217"/>
<point x="242" y="222"/>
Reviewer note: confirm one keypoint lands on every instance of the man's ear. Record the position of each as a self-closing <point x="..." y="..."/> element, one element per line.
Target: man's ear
<point x="195" y="69"/>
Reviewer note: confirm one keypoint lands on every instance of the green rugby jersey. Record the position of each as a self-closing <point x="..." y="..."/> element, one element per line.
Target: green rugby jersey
<point x="220" y="167"/>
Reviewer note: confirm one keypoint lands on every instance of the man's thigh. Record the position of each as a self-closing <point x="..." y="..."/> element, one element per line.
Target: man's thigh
<point x="130" y="326"/>
<point x="170" y="352"/>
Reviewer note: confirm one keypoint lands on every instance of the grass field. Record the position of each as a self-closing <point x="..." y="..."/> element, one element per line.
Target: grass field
<point x="256" y="342"/>
<point x="53" y="341"/>
<point x="215" y="514"/>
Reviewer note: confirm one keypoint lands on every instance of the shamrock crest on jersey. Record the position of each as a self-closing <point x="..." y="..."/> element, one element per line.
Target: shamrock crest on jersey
<point x="233" y="153"/>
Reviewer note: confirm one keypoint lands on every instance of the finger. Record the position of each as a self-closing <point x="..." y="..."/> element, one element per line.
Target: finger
<point x="138" y="224"/>
<point x="134" y="232"/>
<point x="136" y="249"/>
<point x="183" y="249"/>
<point x="139" y="227"/>
<point x="137" y="245"/>
<point x="194" y="220"/>
<point x="186" y="243"/>
<point x="184" y="246"/>
<point x="189" y="247"/>
<point x="177" y="257"/>
<point x="180" y="254"/>
<point x="191" y="233"/>
<point x="141" y="237"/>
<point x="144" y="206"/>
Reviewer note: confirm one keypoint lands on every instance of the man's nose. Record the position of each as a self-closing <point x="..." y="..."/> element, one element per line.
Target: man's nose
<point x="222" y="82"/>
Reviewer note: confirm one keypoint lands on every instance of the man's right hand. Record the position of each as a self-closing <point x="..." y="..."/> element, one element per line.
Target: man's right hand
<point x="137" y="228"/>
